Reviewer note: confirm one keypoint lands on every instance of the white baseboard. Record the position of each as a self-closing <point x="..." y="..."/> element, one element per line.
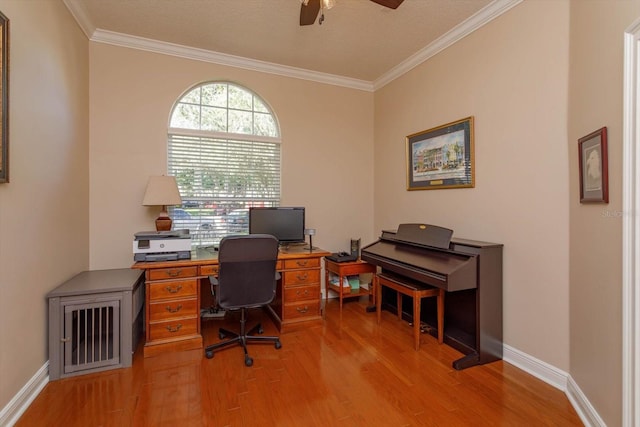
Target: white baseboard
<point x="11" y="413"/>
<point x="558" y="379"/>
<point x="539" y="369"/>
<point x="583" y="407"/>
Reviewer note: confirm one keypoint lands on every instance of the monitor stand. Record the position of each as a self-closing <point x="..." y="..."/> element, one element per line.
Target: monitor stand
<point x="294" y="246"/>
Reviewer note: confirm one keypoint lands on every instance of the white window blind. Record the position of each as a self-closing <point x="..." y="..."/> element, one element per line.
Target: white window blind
<point x="223" y="168"/>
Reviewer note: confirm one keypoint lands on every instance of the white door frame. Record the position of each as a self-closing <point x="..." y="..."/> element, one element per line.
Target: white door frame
<point x="631" y="230"/>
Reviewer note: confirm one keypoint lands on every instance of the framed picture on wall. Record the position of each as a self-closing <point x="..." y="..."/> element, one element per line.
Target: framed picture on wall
<point x="594" y="169"/>
<point x="441" y="157"/>
<point x="4" y="98"/>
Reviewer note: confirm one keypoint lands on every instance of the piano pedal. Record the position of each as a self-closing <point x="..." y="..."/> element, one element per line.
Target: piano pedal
<point x="424" y="328"/>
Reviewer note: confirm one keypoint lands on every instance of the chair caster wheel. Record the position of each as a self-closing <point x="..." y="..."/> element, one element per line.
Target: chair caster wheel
<point x="209" y="354"/>
<point x="248" y="361"/>
<point x="278" y="345"/>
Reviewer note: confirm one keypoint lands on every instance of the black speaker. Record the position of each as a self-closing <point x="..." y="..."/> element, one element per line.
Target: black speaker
<point x="355" y="247"/>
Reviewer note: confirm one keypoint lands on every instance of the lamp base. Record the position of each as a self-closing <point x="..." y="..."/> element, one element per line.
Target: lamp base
<point x="163" y="223"/>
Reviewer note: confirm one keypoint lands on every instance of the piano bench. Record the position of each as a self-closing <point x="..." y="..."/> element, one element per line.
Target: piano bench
<point x="417" y="291"/>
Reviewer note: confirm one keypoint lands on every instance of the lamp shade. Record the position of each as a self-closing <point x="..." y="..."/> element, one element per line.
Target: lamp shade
<point x="162" y="191"/>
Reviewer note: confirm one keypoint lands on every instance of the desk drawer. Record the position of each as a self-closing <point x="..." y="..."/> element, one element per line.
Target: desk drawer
<point x="209" y="270"/>
<point x="171" y="273"/>
<point x="173" y="289"/>
<point x="301" y="310"/>
<point x="292" y="264"/>
<point x="302" y="293"/>
<point x="163" y="310"/>
<point x="301" y="277"/>
<point x="173" y="328"/>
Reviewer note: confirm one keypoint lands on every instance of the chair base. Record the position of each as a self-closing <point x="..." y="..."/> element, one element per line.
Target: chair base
<point x="243" y="338"/>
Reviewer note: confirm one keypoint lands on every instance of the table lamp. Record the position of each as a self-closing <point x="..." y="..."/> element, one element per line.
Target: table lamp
<point x="162" y="191"/>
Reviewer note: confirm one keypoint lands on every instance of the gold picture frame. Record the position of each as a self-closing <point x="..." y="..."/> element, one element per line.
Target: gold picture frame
<point x="593" y="164"/>
<point x="4" y="98"/>
<point x="441" y="157"/>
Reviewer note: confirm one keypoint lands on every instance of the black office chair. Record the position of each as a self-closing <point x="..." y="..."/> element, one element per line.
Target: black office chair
<point x="246" y="279"/>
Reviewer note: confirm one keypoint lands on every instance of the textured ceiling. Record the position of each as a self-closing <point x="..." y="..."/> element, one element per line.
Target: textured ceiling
<point x="359" y="39"/>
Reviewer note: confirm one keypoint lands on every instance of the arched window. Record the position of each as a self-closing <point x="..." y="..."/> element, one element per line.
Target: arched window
<point x="224" y="150"/>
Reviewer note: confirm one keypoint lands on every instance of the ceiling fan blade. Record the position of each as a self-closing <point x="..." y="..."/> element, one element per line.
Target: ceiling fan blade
<point x="309" y="13"/>
<point x="393" y="4"/>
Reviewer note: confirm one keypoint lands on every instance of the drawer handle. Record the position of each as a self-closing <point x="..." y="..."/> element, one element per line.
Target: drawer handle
<point x="302" y="263"/>
<point x="305" y="293"/>
<point x="174" y="273"/>
<point x="174" y="310"/>
<point x="173" y="290"/>
<point x="302" y="310"/>
<point x="303" y="276"/>
<point x="176" y="329"/>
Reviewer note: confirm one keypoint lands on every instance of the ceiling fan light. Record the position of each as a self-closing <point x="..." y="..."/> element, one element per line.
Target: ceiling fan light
<point x="327" y="4"/>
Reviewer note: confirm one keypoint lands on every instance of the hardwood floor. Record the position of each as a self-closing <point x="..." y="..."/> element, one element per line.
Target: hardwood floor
<point x="347" y="372"/>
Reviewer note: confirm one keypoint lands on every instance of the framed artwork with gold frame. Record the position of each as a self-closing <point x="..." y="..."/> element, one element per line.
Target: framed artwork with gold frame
<point x="441" y="157"/>
<point x="594" y="168"/>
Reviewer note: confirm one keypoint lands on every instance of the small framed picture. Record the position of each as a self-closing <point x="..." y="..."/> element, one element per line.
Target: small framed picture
<point x="594" y="169"/>
<point x="4" y="98"/>
<point x="441" y="157"/>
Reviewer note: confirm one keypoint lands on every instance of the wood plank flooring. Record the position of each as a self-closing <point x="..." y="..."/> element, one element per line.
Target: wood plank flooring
<point x="348" y="372"/>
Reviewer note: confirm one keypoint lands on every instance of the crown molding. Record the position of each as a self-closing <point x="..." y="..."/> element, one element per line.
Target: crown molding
<point x="77" y="11"/>
<point x="134" y="42"/>
<point x="484" y="16"/>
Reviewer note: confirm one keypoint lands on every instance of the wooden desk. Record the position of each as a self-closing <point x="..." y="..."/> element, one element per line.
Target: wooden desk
<point x="343" y="269"/>
<point x="173" y="296"/>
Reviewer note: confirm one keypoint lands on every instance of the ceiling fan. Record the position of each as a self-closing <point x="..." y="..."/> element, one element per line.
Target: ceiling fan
<point x="310" y="8"/>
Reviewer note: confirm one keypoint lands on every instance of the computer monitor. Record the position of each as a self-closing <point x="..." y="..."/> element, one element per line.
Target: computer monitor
<point x="285" y="223"/>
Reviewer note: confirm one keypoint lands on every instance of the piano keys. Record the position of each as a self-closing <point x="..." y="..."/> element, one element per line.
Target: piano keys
<point x="469" y="271"/>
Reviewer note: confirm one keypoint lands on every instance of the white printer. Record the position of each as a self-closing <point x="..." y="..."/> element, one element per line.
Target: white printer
<point x="162" y="245"/>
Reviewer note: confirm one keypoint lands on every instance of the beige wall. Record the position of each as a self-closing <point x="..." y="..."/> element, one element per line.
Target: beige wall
<point x="511" y="75"/>
<point x="44" y="227"/>
<point x="327" y="134"/>
<point x="533" y="90"/>
<point x="595" y="100"/>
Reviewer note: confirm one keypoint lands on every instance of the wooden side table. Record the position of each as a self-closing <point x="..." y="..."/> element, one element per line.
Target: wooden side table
<point x="343" y="269"/>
